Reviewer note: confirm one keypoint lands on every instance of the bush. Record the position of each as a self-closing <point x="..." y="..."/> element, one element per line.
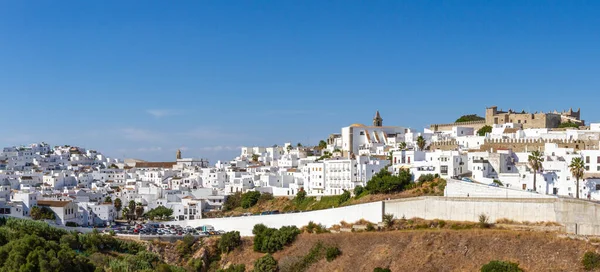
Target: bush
<point x="344" y="197"/>
<point x="469" y="118"/>
<point x="233" y="201"/>
<point x="501" y="266"/>
<point x="264" y="197"/>
<point x="312" y="227"/>
<point x="388" y="220"/>
<point x="229" y="241"/>
<point x="249" y="199"/>
<point x="159" y="212"/>
<point x="234" y="268"/>
<point x="384" y="182"/>
<point x="483" y="130"/>
<point x="184" y="247"/>
<point x="265" y="264"/>
<point x="484" y="221"/>
<point x="591" y="260"/>
<point x="370" y="227"/>
<point x="331" y="253"/>
<point x="300" y="196"/>
<point x="270" y="240"/>
<point x="358" y="190"/>
<point x="426" y="178"/>
<point x="379" y="269"/>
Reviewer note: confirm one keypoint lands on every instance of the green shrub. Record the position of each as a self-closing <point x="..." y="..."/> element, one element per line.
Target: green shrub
<point x="501" y="266"/>
<point x="370" y="227"/>
<point x="385" y="182"/>
<point x="264" y="197"/>
<point x="270" y="240"/>
<point x="379" y="269"/>
<point x="344" y="197"/>
<point x="159" y="212"/>
<point x="184" y="247"/>
<point x="233" y="201"/>
<point x="358" y="190"/>
<point x="300" y="196"/>
<point x="229" y="241"/>
<point x="249" y="199"/>
<point x="265" y="264"/>
<point x="591" y="260"/>
<point x="484" y="221"/>
<point x="388" y="220"/>
<point x="441" y="223"/>
<point x="312" y="227"/>
<point x="331" y="253"/>
<point x="426" y="178"/>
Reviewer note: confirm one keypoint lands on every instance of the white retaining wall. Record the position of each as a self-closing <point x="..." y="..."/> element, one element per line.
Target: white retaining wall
<point x="458" y="188"/>
<point x="372" y="212"/>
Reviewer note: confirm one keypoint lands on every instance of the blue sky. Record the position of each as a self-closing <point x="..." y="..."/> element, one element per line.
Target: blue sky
<point x="143" y="78"/>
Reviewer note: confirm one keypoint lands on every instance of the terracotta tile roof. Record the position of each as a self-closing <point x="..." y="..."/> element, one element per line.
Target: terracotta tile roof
<point x="53" y="203"/>
<point x="155" y="164"/>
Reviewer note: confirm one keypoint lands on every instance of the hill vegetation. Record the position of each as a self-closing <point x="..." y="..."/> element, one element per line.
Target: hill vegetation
<point x="469" y="118"/>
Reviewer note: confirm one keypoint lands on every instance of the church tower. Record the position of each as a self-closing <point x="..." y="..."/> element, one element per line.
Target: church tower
<point x="377" y="121"/>
<point x="178" y="154"/>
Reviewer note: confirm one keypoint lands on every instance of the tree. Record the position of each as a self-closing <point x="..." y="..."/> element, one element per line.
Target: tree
<point x="358" y="190"/>
<point x="421" y="143"/>
<point x="265" y="264"/>
<point x="108" y="199"/>
<point x="485" y="129"/>
<point x="299" y="145"/>
<point x="384" y="182"/>
<point x="577" y="168"/>
<point x="402" y="146"/>
<point x="159" y="212"/>
<point x="300" y="196"/>
<point x="118" y="205"/>
<point x="125" y="212"/>
<point x="322" y="144"/>
<point x="233" y="201"/>
<point x="255" y="157"/>
<point x="250" y="199"/>
<point x="388" y="220"/>
<point x="568" y="124"/>
<point x="131" y="206"/>
<point x="139" y="210"/>
<point x="229" y="241"/>
<point x="535" y="162"/>
<point x="469" y="118"/>
<point x="289" y="148"/>
<point x="35" y="212"/>
<point x="344" y="197"/>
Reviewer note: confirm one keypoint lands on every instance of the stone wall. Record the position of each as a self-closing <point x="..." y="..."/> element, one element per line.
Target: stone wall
<point x="444" y="145"/>
<point x="448" y="127"/>
<point x="522" y="145"/>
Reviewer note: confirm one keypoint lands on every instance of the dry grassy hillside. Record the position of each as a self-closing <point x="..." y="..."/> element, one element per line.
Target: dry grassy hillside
<point x="425" y="250"/>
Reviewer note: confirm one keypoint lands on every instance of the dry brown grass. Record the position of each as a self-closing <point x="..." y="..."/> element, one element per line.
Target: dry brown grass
<point x="436" y="250"/>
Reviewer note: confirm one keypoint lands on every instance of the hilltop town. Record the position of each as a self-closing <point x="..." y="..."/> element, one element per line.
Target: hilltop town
<point x="520" y="151"/>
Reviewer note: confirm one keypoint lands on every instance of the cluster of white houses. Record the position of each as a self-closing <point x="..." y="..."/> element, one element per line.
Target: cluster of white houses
<point x="74" y="182"/>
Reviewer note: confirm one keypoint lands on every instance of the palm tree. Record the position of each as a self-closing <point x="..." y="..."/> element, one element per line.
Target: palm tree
<point x="421" y="143"/>
<point x="118" y="205"/>
<point x="139" y="210"/>
<point x="402" y="145"/>
<point x="577" y="168"/>
<point x="125" y="212"/>
<point x="535" y="162"/>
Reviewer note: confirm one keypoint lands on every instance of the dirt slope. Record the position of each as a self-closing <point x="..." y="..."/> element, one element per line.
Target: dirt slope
<point x="424" y="250"/>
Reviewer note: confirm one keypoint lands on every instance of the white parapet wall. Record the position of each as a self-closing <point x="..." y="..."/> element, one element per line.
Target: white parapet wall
<point x="458" y="188"/>
<point x="372" y="212"/>
<point x="469" y="209"/>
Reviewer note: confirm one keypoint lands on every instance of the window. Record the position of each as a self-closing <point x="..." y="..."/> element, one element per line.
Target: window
<point x="587" y="168"/>
<point x="597" y="187"/>
<point x="587" y="159"/>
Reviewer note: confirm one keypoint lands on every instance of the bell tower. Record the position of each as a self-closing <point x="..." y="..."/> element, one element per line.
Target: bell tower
<point x="178" y="154"/>
<point x="377" y="121"/>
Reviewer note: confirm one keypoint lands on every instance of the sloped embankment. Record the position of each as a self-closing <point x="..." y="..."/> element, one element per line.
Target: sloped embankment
<point x="424" y="250"/>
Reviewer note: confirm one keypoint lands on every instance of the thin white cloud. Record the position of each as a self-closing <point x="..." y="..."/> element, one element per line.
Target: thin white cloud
<point x="209" y="134"/>
<point x="158" y="113"/>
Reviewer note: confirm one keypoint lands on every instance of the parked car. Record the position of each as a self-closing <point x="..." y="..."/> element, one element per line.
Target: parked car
<point x="494" y="185"/>
<point x="467" y="179"/>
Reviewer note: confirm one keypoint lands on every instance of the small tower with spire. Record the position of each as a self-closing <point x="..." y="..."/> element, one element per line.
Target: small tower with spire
<point x="178" y="154"/>
<point x="377" y="121"/>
